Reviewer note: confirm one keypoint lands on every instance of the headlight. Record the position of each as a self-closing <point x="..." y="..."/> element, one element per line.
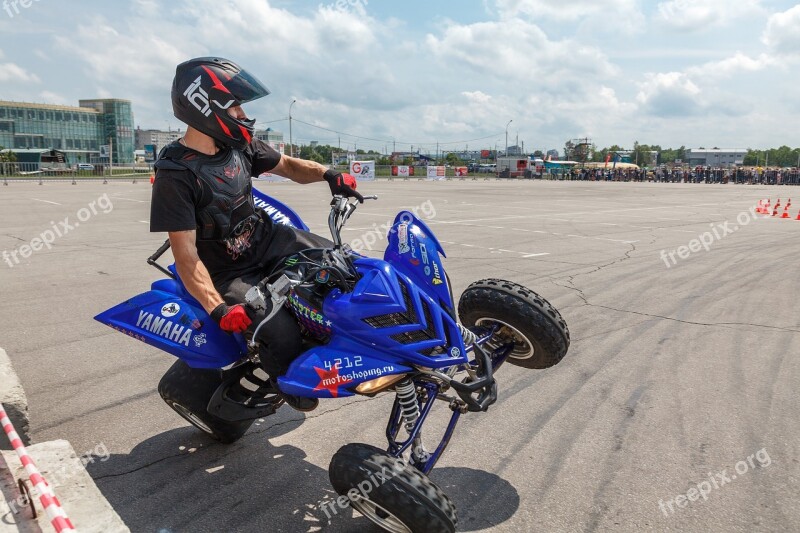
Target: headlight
<point x="379" y="384"/>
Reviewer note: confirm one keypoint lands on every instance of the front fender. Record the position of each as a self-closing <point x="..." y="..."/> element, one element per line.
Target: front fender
<point x="415" y="251"/>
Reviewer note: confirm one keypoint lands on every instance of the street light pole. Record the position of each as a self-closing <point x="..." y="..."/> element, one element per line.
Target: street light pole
<point x="507" y="125"/>
<point x="291" y="143"/>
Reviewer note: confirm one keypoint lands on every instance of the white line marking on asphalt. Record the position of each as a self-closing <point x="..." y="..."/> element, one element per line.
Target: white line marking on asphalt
<point x="144" y="221"/>
<point x="46" y="201"/>
<point x="494" y="219"/>
<point x="130" y="200"/>
<point x="533" y="255"/>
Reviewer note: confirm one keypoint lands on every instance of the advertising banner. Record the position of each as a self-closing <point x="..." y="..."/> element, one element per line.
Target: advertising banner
<point x="461" y="171"/>
<point x="436" y="173"/>
<point x="402" y="171"/>
<point x="363" y="170"/>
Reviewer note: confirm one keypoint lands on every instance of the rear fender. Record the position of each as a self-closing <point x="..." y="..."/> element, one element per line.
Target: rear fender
<point x="176" y="325"/>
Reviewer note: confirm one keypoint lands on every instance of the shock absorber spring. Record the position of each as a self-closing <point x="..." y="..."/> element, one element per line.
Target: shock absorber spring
<point x="407" y="396"/>
<point x="468" y="336"/>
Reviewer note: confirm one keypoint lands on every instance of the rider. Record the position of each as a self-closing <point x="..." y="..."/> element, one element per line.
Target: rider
<point x="202" y="196"/>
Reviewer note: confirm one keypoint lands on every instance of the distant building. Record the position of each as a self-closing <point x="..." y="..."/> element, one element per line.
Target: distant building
<point x="117" y="126"/>
<point x="274" y="138"/>
<point x="30" y="130"/>
<point x="157" y="138"/>
<point x="466" y="156"/>
<point x="715" y="157"/>
<point x="270" y="136"/>
<point x="514" y="150"/>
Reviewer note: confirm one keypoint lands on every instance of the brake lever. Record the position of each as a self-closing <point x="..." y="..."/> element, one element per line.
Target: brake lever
<point x="278" y="292"/>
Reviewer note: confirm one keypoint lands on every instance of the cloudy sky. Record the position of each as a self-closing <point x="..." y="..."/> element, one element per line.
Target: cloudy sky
<point x="680" y="72"/>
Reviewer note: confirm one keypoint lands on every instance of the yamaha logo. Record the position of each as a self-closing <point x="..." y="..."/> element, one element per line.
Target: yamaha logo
<point x="170" y="310"/>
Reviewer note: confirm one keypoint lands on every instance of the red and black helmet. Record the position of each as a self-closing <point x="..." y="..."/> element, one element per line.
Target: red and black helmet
<point x="205" y="89"/>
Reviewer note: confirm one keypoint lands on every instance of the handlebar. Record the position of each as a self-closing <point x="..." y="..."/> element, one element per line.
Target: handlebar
<point x="341" y="209"/>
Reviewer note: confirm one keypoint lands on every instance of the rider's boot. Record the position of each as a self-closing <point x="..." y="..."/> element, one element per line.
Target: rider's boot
<point x="296" y="402"/>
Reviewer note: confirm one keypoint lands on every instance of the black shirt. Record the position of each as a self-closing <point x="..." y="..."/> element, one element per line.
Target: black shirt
<point x="178" y="195"/>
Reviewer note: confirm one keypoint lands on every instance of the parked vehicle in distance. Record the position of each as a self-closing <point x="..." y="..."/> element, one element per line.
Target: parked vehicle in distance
<point x="85" y="166"/>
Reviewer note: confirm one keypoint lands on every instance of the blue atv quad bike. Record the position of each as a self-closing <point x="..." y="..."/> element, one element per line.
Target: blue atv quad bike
<point x="370" y="326"/>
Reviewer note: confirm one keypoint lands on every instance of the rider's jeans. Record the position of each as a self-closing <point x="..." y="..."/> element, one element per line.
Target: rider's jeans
<point x="280" y="340"/>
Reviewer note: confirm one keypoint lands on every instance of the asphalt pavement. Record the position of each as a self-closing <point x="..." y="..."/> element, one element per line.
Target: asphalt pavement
<point x="676" y="407"/>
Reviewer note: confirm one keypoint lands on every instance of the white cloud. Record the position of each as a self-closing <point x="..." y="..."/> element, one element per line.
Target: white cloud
<point x="696" y="15"/>
<point x="670" y="94"/>
<point x="783" y="31"/>
<point x="12" y="73"/>
<point x="737" y="64"/>
<point x="524" y="54"/>
<point x="50" y="97"/>
<point x="613" y="12"/>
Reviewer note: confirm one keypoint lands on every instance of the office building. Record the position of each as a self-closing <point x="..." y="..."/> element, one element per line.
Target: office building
<point x="77" y="133"/>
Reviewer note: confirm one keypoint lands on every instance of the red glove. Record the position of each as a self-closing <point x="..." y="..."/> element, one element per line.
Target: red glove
<point x="231" y="319"/>
<point x="343" y="184"/>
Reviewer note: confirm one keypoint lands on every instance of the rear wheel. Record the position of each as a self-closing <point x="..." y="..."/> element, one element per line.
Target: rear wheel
<point x="539" y="333"/>
<point x="188" y="390"/>
<point x="395" y="496"/>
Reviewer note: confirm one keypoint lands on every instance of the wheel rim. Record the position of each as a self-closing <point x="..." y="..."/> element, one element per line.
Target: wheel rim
<point x="523" y="348"/>
<point x="192" y="418"/>
<point x="373" y="511"/>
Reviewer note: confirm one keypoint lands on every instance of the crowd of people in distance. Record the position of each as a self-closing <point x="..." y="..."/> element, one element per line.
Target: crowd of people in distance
<point x="664" y="174"/>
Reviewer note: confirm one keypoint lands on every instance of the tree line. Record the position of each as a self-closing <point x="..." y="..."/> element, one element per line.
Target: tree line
<point x="640" y="153"/>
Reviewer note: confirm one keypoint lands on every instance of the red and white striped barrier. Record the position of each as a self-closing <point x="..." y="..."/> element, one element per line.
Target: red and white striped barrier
<point x="58" y="518"/>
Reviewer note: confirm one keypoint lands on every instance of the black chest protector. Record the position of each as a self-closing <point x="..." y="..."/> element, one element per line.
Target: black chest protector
<point x="226" y="205"/>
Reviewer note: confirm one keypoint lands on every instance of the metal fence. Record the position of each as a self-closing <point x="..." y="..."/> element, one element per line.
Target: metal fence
<point x="38" y="172"/>
<point x="19" y="171"/>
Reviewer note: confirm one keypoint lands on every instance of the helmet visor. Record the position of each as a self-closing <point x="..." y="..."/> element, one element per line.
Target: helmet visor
<point x="246" y="87"/>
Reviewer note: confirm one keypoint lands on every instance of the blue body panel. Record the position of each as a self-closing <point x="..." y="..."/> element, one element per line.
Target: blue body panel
<point x="365" y="351"/>
<point x="414" y="250"/>
<point x="179" y="326"/>
<point x="277" y="210"/>
<point x="400" y="313"/>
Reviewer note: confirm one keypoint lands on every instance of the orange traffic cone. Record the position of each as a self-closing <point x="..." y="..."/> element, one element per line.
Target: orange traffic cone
<point x="760" y="207"/>
<point x="798" y="216"/>
<point x="765" y="210"/>
<point x="786" y="213"/>
<point x="777" y="206"/>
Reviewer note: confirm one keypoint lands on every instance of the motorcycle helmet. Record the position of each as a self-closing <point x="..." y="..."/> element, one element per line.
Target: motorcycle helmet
<point x="205" y="89"/>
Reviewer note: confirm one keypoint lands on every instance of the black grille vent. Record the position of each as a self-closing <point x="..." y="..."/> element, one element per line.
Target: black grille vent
<point x="395" y="319"/>
<point x="420" y="335"/>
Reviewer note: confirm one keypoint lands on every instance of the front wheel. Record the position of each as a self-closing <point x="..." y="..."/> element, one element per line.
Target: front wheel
<point x="539" y="333"/>
<point x="188" y="390"/>
<point x="395" y="496"/>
